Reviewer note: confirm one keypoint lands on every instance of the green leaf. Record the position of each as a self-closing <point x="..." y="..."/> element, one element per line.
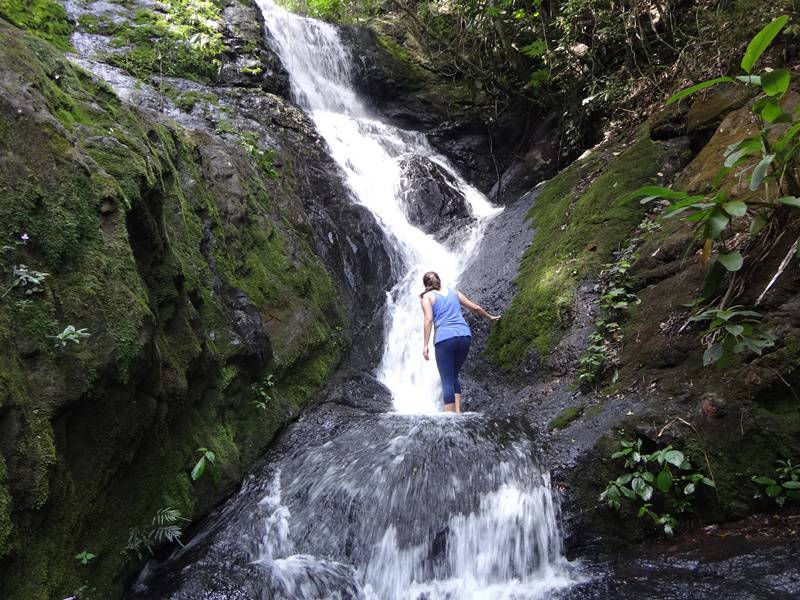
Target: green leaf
<point x="757" y="224"/>
<point x="760" y="172"/>
<point x="708" y="482"/>
<point x="761" y="42"/>
<point x="767" y="109"/>
<point x="749" y="79"/>
<point x="674" y="457"/>
<point x="689" y="489"/>
<point x="735" y="209"/>
<point x="638" y="485"/>
<point x="624" y="479"/>
<point x="651" y="192"/>
<point x="696" y="88"/>
<point x="790" y="200"/>
<point x="791" y="485"/>
<point x="664" y="480"/>
<point x="773" y="490"/>
<point x="628" y="492"/>
<point x="717" y="221"/>
<point x="712" y="354"/>
<point x="734" y="329"/>
<point x="732" y="260"/>
<point x="775" y="82"/>
<point x="199" y="469"/>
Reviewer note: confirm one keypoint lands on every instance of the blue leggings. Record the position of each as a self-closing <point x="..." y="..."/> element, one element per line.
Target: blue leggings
<point x="450" y="356"/>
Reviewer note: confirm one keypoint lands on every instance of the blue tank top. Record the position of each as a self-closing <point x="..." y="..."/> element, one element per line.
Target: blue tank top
<point x="448" y="318"/>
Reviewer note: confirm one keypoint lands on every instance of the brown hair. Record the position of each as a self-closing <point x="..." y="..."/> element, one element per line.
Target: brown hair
<point x="431" y="281"/>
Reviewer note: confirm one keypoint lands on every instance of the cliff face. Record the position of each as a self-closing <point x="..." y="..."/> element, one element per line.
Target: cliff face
<point x="212" y="255"/>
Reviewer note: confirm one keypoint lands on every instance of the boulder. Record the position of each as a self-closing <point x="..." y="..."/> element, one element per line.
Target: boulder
<point x="431" y="197"/>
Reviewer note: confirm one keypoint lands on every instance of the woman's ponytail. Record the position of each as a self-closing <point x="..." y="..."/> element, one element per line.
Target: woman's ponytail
<point x="431" y="282"/>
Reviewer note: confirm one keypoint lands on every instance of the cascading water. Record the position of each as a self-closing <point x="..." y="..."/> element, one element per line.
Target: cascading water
<point x="368" y="150"/>
<point x="391" y="506"/>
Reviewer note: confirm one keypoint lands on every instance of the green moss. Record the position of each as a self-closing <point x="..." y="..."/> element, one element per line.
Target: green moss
<point x="6" y="525"/>
<point x="565" y="417"/>
<point x="118" y="207"/>
<point x="579" y="224"/>
<point x="172" y="41"/>
<point x="45" y="18"/>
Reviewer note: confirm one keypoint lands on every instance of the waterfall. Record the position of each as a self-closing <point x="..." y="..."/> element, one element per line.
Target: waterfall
<point x="397" y="506"/>
<point x="369" y="152"/>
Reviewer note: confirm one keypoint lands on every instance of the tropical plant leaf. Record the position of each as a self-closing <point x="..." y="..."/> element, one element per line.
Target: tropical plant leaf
<point x="674" y="457"/>
<point x="732" y="261"/>
<point x="775" y="82"/>
<point x="735" y="209"/>
<point x="698" y="87"/>
<point x="712" y="354"/>
<point x="760" y="172"/>
<point x="761" y="42"/>
<point x="664" y="480"/>
<point x="790" y="200"/>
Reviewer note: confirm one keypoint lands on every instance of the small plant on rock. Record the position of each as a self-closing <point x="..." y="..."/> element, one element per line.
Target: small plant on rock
<point x="730" y="331"/>
<point x="659" y="485"/>
<point x="207" y="457"/>
<point x="756" y="191"/>
<point x="785" y="485"/>
<point x="29" y="279"/>
<point x="261" y="393"/>
<point x="166" y="526"/>
<point x="70" y="334"/>
<point x="85" y="557"/>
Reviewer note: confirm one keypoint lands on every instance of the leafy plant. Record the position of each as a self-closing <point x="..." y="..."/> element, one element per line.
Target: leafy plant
<point x="765" y="163"/>
<point x="784" y="486"/>
<point x="206" y="457"/>
<point x="70" y="334"/>
<point x="732" y="330"/>
<point x="261" y="393"/>
<point x="166" y="526"/>
<point x="26" y="278"/>
<point x="615" y="301"/>
<point x="85" y="557"/>
<point x="660" y="485"/>
<point x="264" y="157"/>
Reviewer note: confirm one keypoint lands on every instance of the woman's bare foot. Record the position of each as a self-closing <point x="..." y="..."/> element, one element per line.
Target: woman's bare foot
<point x="458" y="403"/>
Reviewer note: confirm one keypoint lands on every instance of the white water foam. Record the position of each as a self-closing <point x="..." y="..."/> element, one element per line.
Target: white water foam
<point x="368" y="152"/>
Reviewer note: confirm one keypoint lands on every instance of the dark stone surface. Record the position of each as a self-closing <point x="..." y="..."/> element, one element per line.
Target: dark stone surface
<point x="431" y="198"/>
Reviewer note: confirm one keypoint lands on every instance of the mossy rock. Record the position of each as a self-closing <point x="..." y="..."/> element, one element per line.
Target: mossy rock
<point x="566" y="417"/>
<point x="579" y="223"/>
<point x="192" y="285"/>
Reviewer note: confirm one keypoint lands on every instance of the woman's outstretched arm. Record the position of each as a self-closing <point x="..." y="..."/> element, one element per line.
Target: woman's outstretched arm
<point x="475" y="308"/>
<point x="427" y="311"/>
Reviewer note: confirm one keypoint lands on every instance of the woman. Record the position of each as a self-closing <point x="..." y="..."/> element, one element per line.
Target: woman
<point x="442" y="310"/>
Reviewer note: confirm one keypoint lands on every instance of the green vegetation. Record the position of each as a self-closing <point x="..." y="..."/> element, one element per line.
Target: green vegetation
<point x="181" y="40"/>
<point x="97" y="186"/>
<point x="85" y="557"/>
<point x="615" y="301"/>
<point x="566" y="417"/>
<point x="660" y="485"/>
<point x="207" y="457"/>
<point x="261" y="393"/>
<point x="768" y="163"/>
<point x="732" y="330"/>
<point x="579" y="224"/>
<point x="784" y="486"/>
<point x="45" y="18"/>
<point x="70" y="334"/>
<point x="166" y="527"/>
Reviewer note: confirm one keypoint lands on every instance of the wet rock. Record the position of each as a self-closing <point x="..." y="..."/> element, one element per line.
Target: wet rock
<point x="360" y="390"/>
<point x="707" y="111"/>
<point x="432" y="199"/>
<point x="248" y="62"/>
